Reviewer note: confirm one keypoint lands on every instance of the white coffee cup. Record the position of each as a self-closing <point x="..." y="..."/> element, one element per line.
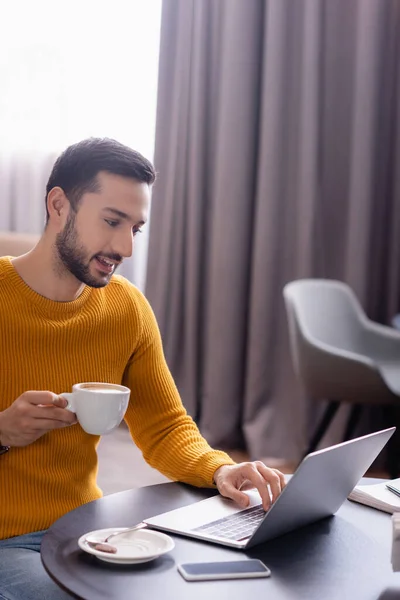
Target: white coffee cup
<point x="99" y="407"/>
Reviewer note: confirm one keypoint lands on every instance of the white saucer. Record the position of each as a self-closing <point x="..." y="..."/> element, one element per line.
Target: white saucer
<point x="134" y="547"/>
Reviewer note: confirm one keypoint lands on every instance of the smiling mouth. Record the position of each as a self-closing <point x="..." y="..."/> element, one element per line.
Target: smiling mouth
<point x="106" y="265"/>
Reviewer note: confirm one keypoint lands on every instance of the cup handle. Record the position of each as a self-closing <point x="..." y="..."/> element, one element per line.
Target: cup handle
<point x="69" y="398"/>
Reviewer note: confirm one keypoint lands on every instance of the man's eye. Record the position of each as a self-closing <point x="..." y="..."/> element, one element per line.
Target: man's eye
<point x="135" y="231"/>
<point x="111" y="223"/>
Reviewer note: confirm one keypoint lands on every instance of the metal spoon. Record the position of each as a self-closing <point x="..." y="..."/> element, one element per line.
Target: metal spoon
<point x="103" y="545"/>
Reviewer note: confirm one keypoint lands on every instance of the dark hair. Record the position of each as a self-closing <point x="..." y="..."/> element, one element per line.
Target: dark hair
<point x="76" y="169"/>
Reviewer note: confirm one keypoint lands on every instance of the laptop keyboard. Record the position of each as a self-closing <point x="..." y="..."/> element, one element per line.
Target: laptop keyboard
<point x="238" y="527"/>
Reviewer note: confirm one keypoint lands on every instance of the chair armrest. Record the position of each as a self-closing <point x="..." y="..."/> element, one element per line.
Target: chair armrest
<point x="380" y="342"/>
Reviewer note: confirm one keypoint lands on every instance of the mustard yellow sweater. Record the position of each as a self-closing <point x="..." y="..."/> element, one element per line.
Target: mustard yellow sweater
<point x="107" y="334"/>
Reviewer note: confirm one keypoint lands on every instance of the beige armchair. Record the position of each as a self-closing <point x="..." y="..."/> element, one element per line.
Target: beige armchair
<point x="15" y="244"/>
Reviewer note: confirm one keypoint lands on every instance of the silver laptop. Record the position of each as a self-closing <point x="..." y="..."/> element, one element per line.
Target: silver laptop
<point x="317" y="489"/>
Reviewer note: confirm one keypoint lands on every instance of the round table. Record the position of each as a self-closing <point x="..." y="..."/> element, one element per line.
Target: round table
<point x="344" y="556"/>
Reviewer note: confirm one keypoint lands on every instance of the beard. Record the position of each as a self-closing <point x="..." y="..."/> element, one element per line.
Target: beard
<point x="74" y="257"/>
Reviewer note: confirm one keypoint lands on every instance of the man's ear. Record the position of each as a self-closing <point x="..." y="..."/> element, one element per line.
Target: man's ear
<point x="58" y="206"/>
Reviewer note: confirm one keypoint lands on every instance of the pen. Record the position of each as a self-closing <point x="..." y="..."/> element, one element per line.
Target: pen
<point x="393" y="489"/>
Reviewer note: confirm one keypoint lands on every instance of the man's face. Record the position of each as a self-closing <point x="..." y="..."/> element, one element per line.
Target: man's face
<point x="97" y="237"/>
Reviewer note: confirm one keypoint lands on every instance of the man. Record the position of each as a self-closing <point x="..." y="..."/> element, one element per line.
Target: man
<point x="66" y="318"/>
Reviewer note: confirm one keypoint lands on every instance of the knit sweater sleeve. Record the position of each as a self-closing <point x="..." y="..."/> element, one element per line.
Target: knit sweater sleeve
<point x="158" y="422"/>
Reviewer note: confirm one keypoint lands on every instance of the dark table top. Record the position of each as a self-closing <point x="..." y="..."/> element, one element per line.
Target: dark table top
<point x="345" y="556"/>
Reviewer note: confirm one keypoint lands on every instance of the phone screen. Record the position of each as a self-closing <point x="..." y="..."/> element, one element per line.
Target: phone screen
<point x="224" y="569"/>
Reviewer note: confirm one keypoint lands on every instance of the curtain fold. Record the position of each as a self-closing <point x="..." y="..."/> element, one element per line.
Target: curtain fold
<point x="273" y="120"/>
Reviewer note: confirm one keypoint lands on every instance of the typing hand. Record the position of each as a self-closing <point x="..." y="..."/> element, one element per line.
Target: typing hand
<point x="231" y="480"/>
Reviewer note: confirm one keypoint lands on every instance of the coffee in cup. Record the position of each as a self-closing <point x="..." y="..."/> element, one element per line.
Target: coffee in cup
<point x="99" y="407"/>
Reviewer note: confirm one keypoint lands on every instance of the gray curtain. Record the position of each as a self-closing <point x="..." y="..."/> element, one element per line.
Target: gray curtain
<point x="278" y="157"/>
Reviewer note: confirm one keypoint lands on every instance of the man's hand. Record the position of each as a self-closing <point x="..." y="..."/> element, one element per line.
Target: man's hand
<point x="231" y="479"/>
<point x="32" y="415"/>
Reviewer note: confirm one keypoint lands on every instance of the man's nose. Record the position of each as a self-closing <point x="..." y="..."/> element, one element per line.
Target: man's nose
<point x="124" y="245"/>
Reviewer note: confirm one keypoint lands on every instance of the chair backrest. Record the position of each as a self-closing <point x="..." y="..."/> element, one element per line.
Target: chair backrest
<point x="327" y="311"/>
<point x="326" y="325"/>
<point x="15" y="244"/>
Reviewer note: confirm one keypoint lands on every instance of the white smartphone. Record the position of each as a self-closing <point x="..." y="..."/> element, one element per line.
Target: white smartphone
<point x="231" y="569"/>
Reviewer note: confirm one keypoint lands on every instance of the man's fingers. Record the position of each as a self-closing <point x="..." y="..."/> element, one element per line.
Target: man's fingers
<point x="52" y="413"/>
<point x="281" y="477"/>
<point x="232" y="479"/>
<point x="38" y="397"/>
<point x="274" y="478"/>
<point x="60" y="401"/>
<point x="43" y="425"/>
<point x="229" y="491"/>
<point x="264" y="479"/>
<point x="249" y="472"/>
<point x="262" y="482"/>
<point x="46" y="405"/>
